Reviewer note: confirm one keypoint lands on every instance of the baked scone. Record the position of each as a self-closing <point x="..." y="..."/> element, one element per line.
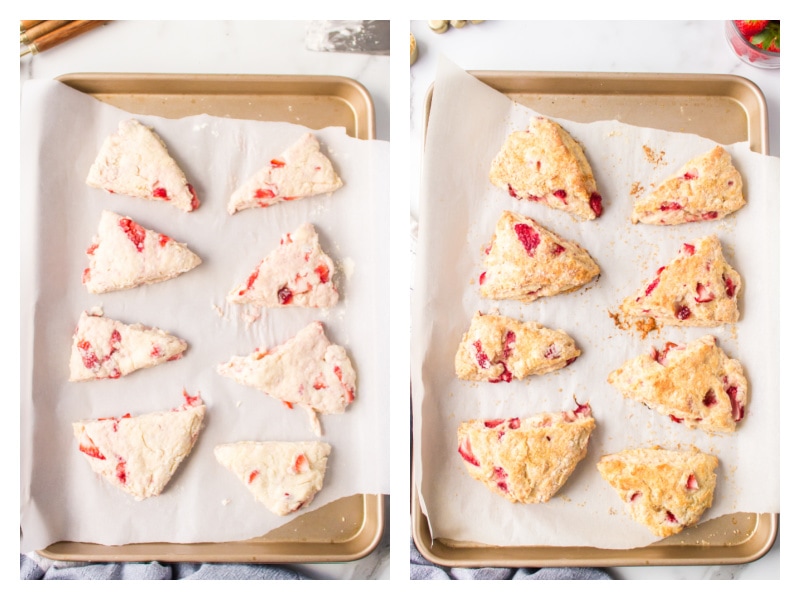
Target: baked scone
<point x="134" y="161"/>
<point x="545" y="164"/>
<point x="124" y="255"/>
<point x="526" y="261"/>
<point x="706" y="188"/>
<point x="498" y="348"/>
<point x="140" y="454"/>
<point x="665" y="490"/>
<point x="698" y="288"/>
<point x="526" y="460"/>
<point x="296" y="273"/>
<point x="695" y="384"/>
<point x="104" y="348"/>
<point x="302" y="170"/>
<point x="283" y="476"/>
<point x="307" y="370"/>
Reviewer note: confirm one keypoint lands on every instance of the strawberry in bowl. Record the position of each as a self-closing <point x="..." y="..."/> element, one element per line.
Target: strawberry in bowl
<point x="757" y="43"/>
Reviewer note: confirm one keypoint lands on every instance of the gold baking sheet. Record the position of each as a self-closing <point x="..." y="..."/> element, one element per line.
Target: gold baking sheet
<point x="725" y="108"/>
<point x="346" y="529"/>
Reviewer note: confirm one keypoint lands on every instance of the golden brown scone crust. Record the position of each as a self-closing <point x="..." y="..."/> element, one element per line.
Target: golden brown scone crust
<point x="526" y="460"/>
<point x="696" y="384"/>
<point x="706" y="188"/>
<point x="498" y="348"/>
<point x="666" y="490"/>
<point x="525" y="261"/>
<point x="545" y="164"/>
<point x="698" y="288"/>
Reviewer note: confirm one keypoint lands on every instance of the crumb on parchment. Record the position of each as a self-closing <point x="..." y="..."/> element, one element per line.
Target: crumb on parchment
<point x="643" y="325"/>
<point x="636" y="189"/>
<point x="653" y="157"/>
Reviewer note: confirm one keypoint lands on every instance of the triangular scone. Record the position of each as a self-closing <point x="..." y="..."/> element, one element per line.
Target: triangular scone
<point x="526" y="460"/>
<point x="525" y="261"/>
<point x="134" y="161"/>
<point x="283" y="476"/>
<point x="695" y="384"/>
<point x="124" y="254"/>
<point x="296" y="273"/>
<point x="545" y="164"/>
<point x="140" y="454"/>
<point x="698" y="288"/>
<point x="103" y="348"/>
<point x="498" y="348"/>
<point x="307" y="370"/>
<point x="302" y="170"/>
<point x="665" y="490"/>
<point x="706" y="188"/>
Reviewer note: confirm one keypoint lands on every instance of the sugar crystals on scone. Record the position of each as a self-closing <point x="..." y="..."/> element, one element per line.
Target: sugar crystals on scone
<point x="545" y="164"/>
<point x="134" y="161"/>
<point x="525" y="261"/>
<point x="498" y="348"/>
<point x="706" y="188"/>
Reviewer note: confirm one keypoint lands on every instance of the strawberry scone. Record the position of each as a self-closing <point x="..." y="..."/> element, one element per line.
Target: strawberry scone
<point x="307" y="370"/>
<point x="103" y="348"/>
<point x="526" y="261"/>
<point x="283" y="476"/>
<point x="544" y="164"/>
<point x="296" y="273"/>
<point x="301" y="171"/>
<point x="695" y="384"/>
<point x="498" y="348"/>
<point x="526" y="460"/>
<point x="665" y="490"/>
<point x="124" y="255"/>
<point x="706" y="188"/>
<point x="698" y="288"/>
<point x="139" y="455"/>
<point x="134" y="161"/>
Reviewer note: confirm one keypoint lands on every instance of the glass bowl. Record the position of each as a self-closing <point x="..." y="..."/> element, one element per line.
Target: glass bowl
<point x="747" y="52"/>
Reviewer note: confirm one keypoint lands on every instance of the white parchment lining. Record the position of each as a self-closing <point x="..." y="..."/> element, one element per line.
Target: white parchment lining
<point x="60" y="497"/>
<point x="459" y="208"/>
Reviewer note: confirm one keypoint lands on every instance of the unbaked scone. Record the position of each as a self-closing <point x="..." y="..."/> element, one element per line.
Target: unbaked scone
<point x="526" y="460"/>
<point x="695" y="384"/>
<point x="134" y="161"/>
<point x="698" y="288"/>
<point x="302" y="170"/>
<point x="139" y="455"/>
<point x="283" y="476"/>
<point x="498" y="348"/>
<point x="665" y="490"/>
<point x="545" y="164"/>
<point x="103" y="348"/>
<point x="525" y="261"/>
<point x="124" y="255"/>
<point x="706" y="188"/>
<point x="296" y="273"/>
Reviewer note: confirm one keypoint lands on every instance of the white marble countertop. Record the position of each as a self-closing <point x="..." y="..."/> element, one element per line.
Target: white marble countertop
<point x="603" y="46"/>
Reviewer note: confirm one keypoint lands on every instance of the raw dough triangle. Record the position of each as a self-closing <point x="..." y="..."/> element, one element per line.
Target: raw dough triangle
<point x="124" y="254"/>
<point x="302" y="170"/>
<point x="104" y="348"/>
<point x="283" y="476"/>
<point x="665" y="490"/>
<point x="695" y="384"/>
<point x="140" y="454"/>
<point x="526" y="460"/>
<point x="544" y="164"/>
<point x="296" y="273"/>
<point x="526" y="261"/>
<point x="706" y="188"/>
<point x="134" y="161"/>
<point x="498" y="348"/>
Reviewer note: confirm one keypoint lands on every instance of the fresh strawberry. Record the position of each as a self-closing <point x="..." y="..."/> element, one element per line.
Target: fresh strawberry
<point x="749" y="28"/>
<point x="769" y="38"/>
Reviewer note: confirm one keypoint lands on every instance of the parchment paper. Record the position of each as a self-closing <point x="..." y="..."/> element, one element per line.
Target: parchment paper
<point x="61" y="499"/>
<point x="458" y="211"/>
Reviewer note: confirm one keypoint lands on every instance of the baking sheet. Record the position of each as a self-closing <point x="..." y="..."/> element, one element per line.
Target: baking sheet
<point x="447" y="288"/>
<point x="60" y="499"/>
